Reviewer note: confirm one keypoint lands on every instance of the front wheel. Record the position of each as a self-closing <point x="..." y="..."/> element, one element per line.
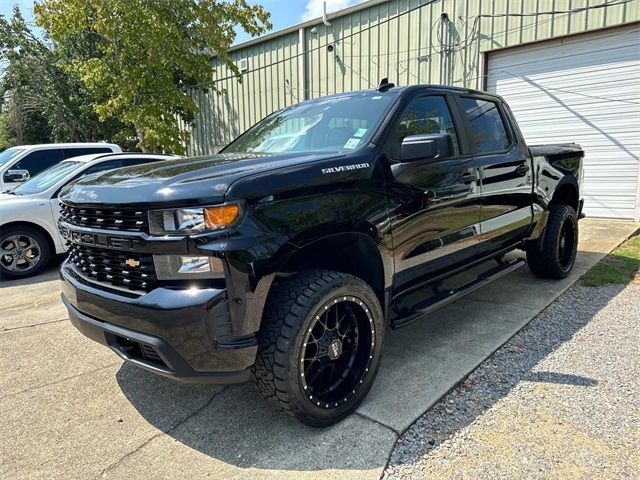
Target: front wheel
<point x="320" y="345"/>
<point x="559" y="245"/>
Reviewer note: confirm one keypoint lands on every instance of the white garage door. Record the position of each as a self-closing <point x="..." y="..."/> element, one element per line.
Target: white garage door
<point x="583" y="89"/>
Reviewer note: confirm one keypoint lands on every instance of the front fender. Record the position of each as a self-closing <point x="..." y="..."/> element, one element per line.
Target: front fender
<point x="273" y="232"/>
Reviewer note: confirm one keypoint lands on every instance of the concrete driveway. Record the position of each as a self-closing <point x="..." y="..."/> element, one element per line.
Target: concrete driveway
<point x="70" y="408"/>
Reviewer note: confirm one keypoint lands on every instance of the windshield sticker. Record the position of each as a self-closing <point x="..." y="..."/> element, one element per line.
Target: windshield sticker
<point x="344" y="168"/>
<point x="352" y="143"/>
<point x="376" y="98"/>
<point x="360" y="132"/>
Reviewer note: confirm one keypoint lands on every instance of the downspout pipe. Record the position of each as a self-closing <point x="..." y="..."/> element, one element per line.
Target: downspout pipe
<point x="326" y="22"/>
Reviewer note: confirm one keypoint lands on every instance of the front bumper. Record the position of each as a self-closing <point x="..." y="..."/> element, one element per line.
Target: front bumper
<point x="182" y="334"/>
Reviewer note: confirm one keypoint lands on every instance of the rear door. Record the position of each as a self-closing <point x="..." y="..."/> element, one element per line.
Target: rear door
<point x="435" y="206"/>
<point x="505" y="171"/>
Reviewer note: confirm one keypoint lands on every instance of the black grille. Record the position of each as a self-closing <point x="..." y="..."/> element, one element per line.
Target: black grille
<point x="133" y="220"/>
<point x="132" y="271"/>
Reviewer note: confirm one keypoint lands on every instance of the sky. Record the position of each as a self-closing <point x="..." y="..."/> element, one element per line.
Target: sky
<point x="284" y="13"/>
<point x="26" y="6"/>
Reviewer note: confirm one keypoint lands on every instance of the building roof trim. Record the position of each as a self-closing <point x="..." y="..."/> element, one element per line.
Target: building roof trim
<point x="307" y="24"/>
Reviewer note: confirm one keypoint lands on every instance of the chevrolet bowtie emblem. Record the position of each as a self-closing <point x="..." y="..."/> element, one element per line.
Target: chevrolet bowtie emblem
<point x="132" y="262"/>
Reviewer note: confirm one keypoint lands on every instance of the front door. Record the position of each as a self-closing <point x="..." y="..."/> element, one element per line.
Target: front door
<point x="435" y="208"/>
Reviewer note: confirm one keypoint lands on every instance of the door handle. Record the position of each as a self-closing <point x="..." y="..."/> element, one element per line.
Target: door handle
<point x="522" y="169"/>
<point x="468" y="177"/>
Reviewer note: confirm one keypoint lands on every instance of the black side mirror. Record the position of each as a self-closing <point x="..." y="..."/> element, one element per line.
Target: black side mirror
<point x="16" y="175"/>
<point x="433" y="146"/>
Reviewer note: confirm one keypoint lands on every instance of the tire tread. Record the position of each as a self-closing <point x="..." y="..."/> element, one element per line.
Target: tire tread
<point x="544" y="263"/>
<point x="285" y="312"/>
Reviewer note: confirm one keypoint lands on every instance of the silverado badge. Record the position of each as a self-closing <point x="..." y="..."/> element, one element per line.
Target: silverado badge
<point x="132" y="262"/>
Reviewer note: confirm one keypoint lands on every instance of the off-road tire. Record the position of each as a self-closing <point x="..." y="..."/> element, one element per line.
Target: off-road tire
<point x="42" y="243"/>
<point x="293" y="308"/>
<point x="556" y="257"/>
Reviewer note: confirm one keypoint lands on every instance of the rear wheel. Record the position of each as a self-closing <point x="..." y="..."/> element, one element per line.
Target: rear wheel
<point x="559" y="246"/>
<point x="24" y="251"/>
<point x="319" y="346"/>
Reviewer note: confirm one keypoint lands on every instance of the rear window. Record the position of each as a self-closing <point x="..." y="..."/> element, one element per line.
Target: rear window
<point x="488" y="130"/>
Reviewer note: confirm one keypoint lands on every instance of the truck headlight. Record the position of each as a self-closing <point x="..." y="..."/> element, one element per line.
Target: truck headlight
<point x="193" y="220"/>
<point x="184" y="267"/>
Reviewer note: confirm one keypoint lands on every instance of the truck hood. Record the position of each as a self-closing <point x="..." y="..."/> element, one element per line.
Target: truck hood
<point x="194" y="180"/>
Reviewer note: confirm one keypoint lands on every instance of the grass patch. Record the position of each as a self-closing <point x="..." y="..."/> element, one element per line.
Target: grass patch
<point x="619" y="267"/>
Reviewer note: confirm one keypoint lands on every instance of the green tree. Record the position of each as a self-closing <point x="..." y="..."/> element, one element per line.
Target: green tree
<point x="41" y="101"/>
<point x="149" y="53"/>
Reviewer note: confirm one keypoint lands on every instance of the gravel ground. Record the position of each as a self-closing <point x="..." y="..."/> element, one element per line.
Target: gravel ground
<point x="559" y="400"/>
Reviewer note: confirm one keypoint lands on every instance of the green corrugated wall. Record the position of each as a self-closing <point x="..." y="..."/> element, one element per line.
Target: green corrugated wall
<point x="404" y="40"/>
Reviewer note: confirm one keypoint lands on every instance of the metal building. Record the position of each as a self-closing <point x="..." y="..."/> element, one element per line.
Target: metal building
<point x="570" y="69"/>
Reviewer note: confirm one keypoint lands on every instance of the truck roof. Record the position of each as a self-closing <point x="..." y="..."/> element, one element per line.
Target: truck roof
<point x="406" y="89"/>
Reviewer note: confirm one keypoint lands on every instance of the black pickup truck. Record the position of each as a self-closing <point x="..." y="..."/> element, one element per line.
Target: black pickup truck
<point x="284" y="258"/>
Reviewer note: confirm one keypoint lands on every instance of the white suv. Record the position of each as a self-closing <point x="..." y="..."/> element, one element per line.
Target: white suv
<point x="18" y="164"/>
<point x="29" y="213"/>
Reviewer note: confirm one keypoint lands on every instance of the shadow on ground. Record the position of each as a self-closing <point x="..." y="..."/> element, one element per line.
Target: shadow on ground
<point x="238" y="428"/>
<point x="48" y="274"/>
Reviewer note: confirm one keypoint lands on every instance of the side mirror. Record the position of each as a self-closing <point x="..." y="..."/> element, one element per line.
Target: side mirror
<point x="16" y="176"/>
<point x="434" y="146"/>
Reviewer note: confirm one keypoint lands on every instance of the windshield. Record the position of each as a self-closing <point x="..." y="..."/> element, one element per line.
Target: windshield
<point x="332" y="125"/>
<point x="47" y="178"/>
<point x="9" y="154"/>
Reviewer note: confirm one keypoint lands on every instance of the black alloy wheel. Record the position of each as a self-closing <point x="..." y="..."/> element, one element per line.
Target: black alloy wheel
<point x="337" y="352"/>
<point x="319" y="346"/>
<point x="566" y="244"/>
<point x="555" y="256"/>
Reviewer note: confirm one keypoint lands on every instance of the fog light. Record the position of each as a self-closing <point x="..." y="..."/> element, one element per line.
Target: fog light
<point x="178" y="267"/>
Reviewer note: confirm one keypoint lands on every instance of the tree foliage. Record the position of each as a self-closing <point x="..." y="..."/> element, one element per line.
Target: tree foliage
<point x="42" y="101"/>
<point x="148" y="53"/>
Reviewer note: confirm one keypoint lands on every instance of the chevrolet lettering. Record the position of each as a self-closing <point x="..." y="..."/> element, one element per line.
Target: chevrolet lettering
<point x="102" y="240"/>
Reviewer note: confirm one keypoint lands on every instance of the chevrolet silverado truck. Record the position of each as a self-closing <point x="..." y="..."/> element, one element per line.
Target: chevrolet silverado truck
<point x="285" y="257"/>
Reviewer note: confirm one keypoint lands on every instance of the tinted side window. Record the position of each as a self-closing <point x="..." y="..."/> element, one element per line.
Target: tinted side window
<point x="489" y="133"/>
<point x="37" y="161"/>
<point x="76" y="152"/>
<point x="426" y="115"/>
<point x="101" y="167"/>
